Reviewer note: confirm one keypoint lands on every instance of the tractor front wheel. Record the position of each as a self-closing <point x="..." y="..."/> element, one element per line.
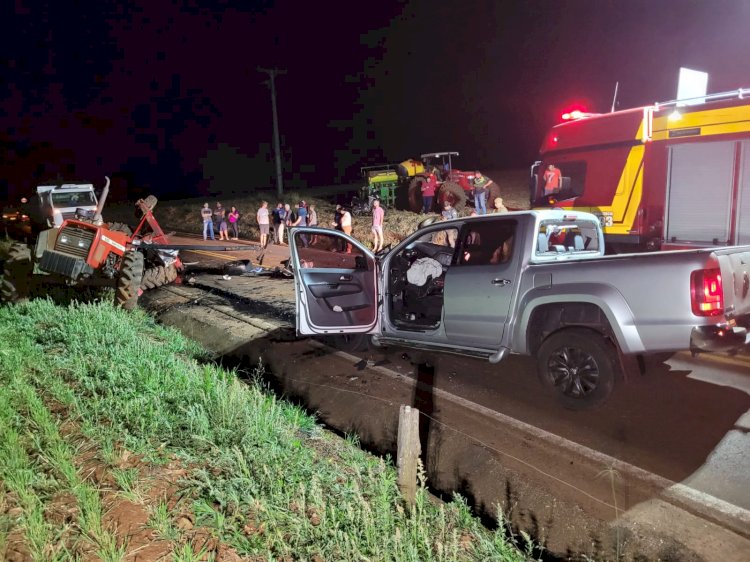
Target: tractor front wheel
<point x="129" y="280"/>
<point x="17" y="272"/>
<point x="454" y="193"/>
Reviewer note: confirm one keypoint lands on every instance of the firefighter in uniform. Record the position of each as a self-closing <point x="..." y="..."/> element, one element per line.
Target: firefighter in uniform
<point x="552" y="180"/>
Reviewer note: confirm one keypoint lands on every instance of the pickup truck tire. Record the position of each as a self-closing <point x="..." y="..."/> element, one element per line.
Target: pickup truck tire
<point x="578" y="365"/>
<point x="17" y="271"/>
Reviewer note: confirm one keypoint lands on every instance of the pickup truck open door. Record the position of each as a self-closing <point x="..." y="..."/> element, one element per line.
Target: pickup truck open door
<point x="336" y="283"/>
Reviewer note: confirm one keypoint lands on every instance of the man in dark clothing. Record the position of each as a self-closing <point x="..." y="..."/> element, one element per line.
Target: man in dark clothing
<point x="276" y="219"/>
<point x="219" y="214"/>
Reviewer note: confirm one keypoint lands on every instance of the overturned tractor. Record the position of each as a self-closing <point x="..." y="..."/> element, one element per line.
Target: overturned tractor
<point x="86" y="252"/>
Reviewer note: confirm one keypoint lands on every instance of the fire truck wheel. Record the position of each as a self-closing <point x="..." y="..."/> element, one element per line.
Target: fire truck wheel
<point x="157" y="276"/>
<point x="120" y="227"/>
<point x="17" y="272"/>
<point x="416" y="203"/>
<point x="579" y="366"/>
<point x="454" y="193"/>
<point x="129" y="280"/>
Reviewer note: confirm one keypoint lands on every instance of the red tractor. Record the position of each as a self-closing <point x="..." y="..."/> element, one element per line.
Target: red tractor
<point x="86" y="252"/>
<point x="452" y="185"/>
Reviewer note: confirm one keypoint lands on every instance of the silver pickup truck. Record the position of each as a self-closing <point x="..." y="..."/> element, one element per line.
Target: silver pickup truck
<point x="534" y="283"/>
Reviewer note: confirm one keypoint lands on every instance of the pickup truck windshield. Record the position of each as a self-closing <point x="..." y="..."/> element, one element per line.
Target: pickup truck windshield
<point x="560" y="236"/>
<point x="63" y="199"/>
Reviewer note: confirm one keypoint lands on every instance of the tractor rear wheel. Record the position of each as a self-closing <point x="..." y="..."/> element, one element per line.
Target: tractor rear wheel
<point x="157" y="276"/>
<point x="454" y="193"/>
<point x="129" y="280"/>
<point x="120" y="227"/>
<point x="416" y="202"/>
<point x="17" y="272"/>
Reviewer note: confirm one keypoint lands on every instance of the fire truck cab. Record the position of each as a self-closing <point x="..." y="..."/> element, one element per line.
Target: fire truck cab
<point x="666" y="176"/>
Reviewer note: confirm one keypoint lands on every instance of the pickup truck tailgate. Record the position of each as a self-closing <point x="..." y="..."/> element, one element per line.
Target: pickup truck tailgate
<point x="735" y="273"/>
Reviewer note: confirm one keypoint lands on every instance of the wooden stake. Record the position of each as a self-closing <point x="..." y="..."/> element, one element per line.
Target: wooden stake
<point x="409" y="450"/>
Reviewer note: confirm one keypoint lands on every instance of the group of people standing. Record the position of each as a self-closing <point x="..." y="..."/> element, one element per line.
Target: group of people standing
<point x="283" y="217"/>
<point x="222" y="220"/>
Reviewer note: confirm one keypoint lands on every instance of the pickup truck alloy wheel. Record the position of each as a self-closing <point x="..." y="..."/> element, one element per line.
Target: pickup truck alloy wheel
<point x="579" y="366"/>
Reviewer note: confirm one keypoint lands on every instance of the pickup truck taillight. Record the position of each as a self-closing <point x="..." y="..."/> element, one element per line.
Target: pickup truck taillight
<point x="706" y="293"/>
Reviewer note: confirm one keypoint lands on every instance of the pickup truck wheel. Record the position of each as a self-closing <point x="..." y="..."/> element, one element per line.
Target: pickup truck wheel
<point x="579" y="366"/>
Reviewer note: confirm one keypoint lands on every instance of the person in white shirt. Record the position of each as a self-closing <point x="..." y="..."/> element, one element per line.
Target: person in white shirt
<point x="263" y="223"/>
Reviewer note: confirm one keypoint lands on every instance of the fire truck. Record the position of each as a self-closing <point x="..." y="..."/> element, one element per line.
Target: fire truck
<point x="672" y="175"/>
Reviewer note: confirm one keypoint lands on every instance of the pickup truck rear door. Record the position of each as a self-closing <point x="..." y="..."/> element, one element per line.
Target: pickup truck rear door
<point x="479" y="287"/>
<point x="735" y="274"/>
<point x="335" y="279"/>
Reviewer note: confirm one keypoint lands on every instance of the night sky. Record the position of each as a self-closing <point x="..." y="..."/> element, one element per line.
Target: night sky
<point x="166" y="97"/>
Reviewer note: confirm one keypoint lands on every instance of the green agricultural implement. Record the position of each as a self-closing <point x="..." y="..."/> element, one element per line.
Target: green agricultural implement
<point x="382" y="183"/>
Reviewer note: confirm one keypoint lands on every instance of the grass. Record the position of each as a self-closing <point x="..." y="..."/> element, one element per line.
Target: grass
<point x="264" y="479"/>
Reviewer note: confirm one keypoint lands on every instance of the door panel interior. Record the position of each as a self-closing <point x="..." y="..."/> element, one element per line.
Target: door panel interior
<point x="339" y="286"/>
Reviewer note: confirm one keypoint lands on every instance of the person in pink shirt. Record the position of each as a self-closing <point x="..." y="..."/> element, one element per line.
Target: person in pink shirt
<point x="377" y="225"/>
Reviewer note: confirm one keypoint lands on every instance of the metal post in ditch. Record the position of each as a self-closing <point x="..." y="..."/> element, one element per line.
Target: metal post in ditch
<point x="409" y="450"/>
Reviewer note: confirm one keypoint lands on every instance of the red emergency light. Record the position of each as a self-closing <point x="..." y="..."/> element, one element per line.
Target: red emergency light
<point x="575" y="114"/>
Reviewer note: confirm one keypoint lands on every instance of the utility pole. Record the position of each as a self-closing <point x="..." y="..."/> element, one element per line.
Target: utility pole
<point x="272" y="73"/>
